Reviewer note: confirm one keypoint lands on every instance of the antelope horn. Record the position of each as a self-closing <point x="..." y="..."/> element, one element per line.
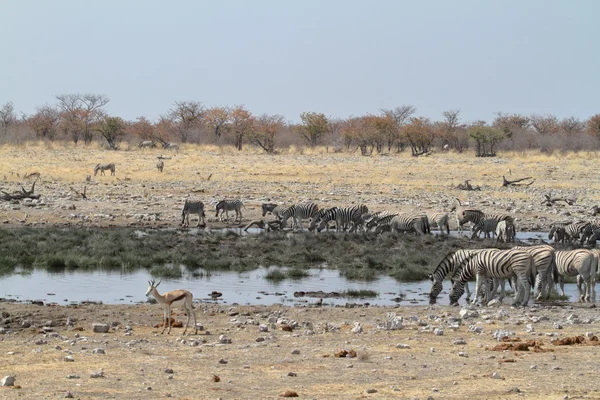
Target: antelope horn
<point x="158" y="283"/>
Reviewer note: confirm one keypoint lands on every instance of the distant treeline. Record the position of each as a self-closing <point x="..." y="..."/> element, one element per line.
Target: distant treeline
<point x="81" y="118"/>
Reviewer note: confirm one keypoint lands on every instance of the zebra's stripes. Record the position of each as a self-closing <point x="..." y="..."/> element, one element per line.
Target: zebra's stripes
<point x="383" y="218"/>
<point x="274" y="209"/>
<point x="403" y="223"/>
<point x="487" y="226"/>
<point x="498" y="264"/>
<point x="576" y="262"/>
<point x="345" y="217"/>
<point x="466" y="214"/>
<point x="224" y="206"/>
<point x="505" y="232"/>
<point x="299" y="212"/>
<point x="448" y="267"/>
<point x="440" y="220"/>
<point x="104" y="167"/>
<point x="192" y="207"/>
<point x="543" y="263"/>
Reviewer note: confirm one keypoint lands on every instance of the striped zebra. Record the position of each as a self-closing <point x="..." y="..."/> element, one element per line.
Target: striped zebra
<point x="543" y="263"/>
<point x="224" y="206"/>
<point x="440" y="220"/>
<point x="487" y="226"/>
<point x="160" y="165"/>
<point x="594" y="276"/>
<point x="576" y="262"/>
<point x="560" y="231"/>
<point x="405" y="222"/>
<point x="594" y="237"/>
<point x="274" y="209"/>
<point x="344" y="217"/>
<point x="497" y="264"/>
<point x="192" y="207"/>
<point x="147" y="144"/>
<point x="298" y="213"/>
<point x="466" y="214"/>
<point x="505" y="232"/>
<point x="446" y="268"/>
<point x="104" y="167"/>
<point x="380" y="218"/>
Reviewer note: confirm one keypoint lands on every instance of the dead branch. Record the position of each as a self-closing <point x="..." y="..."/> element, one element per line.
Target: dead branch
<point x="82" y="194"/>
<point x="549" y="200"/>
<point x="506" y="182"/>
<point x="161" y="157"/>
<point x="269" y="226"/>
<point x="467" y="186"/>
<point x="23" y="194"/>
<point x="35" y="175"/>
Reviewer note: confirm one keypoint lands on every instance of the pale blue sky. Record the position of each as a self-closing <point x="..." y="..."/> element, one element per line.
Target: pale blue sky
<point x="339" y="57"/>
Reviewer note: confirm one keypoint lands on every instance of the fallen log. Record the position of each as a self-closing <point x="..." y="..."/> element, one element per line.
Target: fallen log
<point x="549" y="200"/>
<point x="23" y="194"/>
<point x="506" y="182"/>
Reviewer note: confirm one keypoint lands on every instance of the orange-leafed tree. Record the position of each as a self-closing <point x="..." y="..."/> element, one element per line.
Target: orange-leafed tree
<point x="314" y="127"/>
<point x="593" y="125"/>
<point x="44" y="122"/>
<point x="142" y="129"/>
<point x="217" y="119"/>
<point x="79" y="113"/>
<point x="420" y="134"/>
<point x="241" y="124"/>
<point x="401" y="115"/>
<point x="265" y="130"/>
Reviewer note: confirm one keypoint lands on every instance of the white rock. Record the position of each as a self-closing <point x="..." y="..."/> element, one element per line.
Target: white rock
<point x="7" y="381"/>
<point x="357" y="328"/>
<point x="496" y="375"/>
<point x="100" y="328"/>
<point x="402" y="346"/>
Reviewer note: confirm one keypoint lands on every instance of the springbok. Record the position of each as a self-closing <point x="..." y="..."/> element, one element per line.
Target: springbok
<point x="176" y="298"/>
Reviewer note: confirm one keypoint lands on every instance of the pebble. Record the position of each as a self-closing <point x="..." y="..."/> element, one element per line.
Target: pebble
<point x="7" y="381"/>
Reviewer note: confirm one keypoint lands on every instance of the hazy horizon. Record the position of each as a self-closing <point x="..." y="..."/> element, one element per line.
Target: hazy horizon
<point x="341" y="58"/>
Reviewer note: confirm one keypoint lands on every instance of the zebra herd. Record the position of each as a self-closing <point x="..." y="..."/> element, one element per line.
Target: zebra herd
<point x="533" y="266"/>
<point x="223" y="207"/>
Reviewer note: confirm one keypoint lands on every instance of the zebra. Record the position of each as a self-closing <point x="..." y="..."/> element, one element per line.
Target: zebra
<point x="380" y="218"/>
<point x="576" y="262"/>
<point x="104" y="167"/>
<point x="192" y="207"/>
<point x="560" y="231"/>
<point x="487" y="226"/>
<point x="499" y="264"/>
<point x="439" y="219"/>
<point x="344" y="217"/>
<point x="224" y="206"/>
<point x="543" y="262"/>
<point x="466" y="214"/>
<point x="160" y="165"/>
<point x="298" y="212"/>
<point x="147" y="143"/>
<point x="316" y="219"/>
<point x="594" y="275"/>
<point x="171" y="146"/>
<point x="505" y="232"/>
<point x="448" y="267"/>
<point x="404" y="223"/>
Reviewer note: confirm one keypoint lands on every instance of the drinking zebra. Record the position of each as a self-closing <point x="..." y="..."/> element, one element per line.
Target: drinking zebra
<point x="403" y="223"/>
<point x="440" y="220"/>
<point x="448" y="267"/>
<point x="224" y="206"/>
<point x="192" y="207"/>
<point x="568" y="231"/>
<point x="543" y="263"/>
<point x="505" y="232"/>
<point x="298" y="213"/>
<point x="498" y="264"/>
<point x="576" y="262"/>
<point x="104" y="167"/>
<point x="487" y="226"/>
<point x="274" y="209"/>
<point x="380" y="218"/>
<point x="344" y="217"/>
<point x="466" y="214"/>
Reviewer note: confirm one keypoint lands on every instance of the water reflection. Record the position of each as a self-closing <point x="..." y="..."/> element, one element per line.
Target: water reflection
<point x="243" y="288"/>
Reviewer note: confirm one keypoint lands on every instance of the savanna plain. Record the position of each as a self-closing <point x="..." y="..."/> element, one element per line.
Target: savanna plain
<point x="277" y="351"/>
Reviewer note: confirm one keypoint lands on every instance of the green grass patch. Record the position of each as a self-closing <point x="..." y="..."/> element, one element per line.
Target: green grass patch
<point x="361" y="293"/>
<point x="166" y="271"/>
<point x="275" y="275"/>
<point x="297" y="273"/>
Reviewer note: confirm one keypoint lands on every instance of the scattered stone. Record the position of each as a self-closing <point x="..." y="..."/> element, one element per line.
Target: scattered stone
<point x="460" y="342"/>
<point x="72" y="376"/>
<point x="438" y="332"/>
<point x="168" y="371"/>
<point x="8" y="381"/>
<point x="69" y="358"/>
<point x="466" y="313"/>
<point x="496" y="375"/>
<point x="371" y="391"/>
<point x="557" y="325"/>
<point x="216" y="378"/>
<point x="295" y="351"/>
<point x="289" y="393"/>
<point x="222" y="361"/>
<point x="97" y="374"/>
<point x="224" y="339"/>
<point x="533" y="366"/>
<point x="68" y="395"/>
<point x="263" y="328"/>
<point x="293" y="374"/>
<point x="100" y="328"/>
<point x="357" y="328"/>
<point x="514" y="390"/>
<point x="463" y="354"/>
<point x="402" y="346"/>
<point x="99" y="350"/>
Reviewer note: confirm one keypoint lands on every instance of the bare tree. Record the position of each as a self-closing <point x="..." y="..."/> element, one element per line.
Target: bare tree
<point x="544" y="124"/>
<point x="79" y="112"/>
<point x="7" y="116"/>
<point x="452" y="132"/>
<point x="187" y="116"/>
<point x="44" y="122"/>
<point x="572" y="125"/>
<point x="217" y="119"/>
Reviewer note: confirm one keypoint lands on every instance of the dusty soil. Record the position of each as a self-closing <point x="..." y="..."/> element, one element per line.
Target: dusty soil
<point x="412" y="362"/>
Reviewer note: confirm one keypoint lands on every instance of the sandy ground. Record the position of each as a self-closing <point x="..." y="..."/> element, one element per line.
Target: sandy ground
<point x="264" y="360"/>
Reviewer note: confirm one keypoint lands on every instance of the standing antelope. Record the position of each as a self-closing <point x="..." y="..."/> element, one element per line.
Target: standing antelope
<point x="176" y="298"/>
